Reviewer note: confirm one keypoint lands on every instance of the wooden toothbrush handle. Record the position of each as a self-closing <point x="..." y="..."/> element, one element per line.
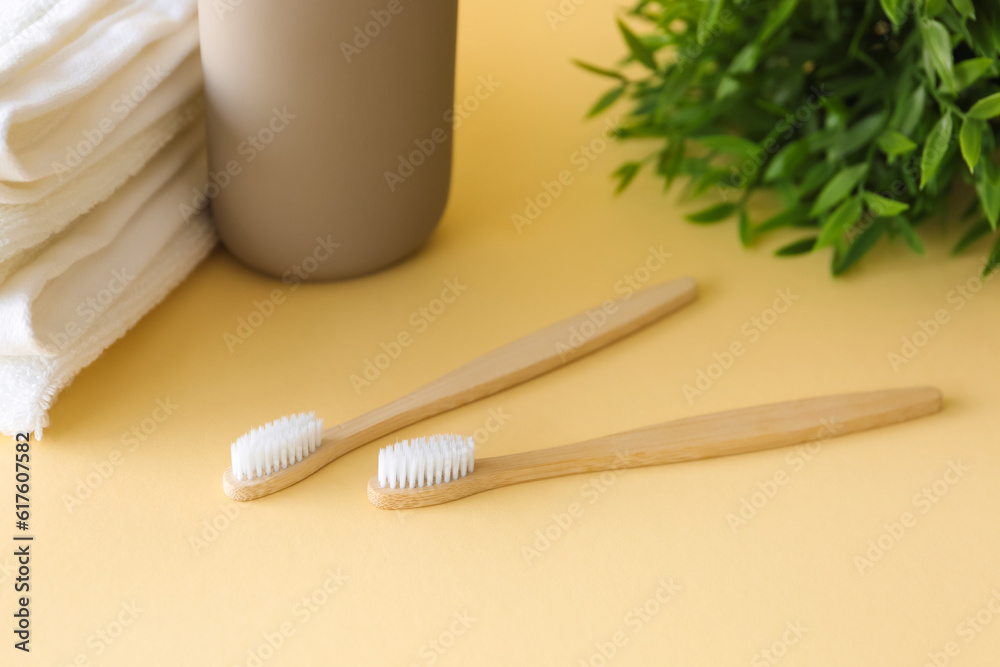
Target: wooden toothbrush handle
<point x="705" y="436"/>
<point x="726" y="433"/>
<point x="521" y="360"/>
<point x="528" y="357"/>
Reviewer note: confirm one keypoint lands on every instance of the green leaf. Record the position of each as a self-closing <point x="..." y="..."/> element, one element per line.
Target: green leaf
<point x="970" y="139"/>
<point x="606" y="100"/>
<point x="861" y="245"/>
<point x="986" y="108"/>
<point x="935" y="147"/>
<point x="786" y="218"/>
<point x="891" y="9"/>
<point x="838" y="188"/>
<point x="711" y="178"/>
<point x="883" y="207"/>
<point x="818" y="174"/>
<point x="746" y="231"/>
<point x="937" y="44"/>
<point x="799" y="247"/>
<point x="838" y="222"/>
<point x="813" y="91"/>
<point x="858" y="135"/>
<point x="909" y="234"/>
<point x="787" y="193"/>
<point x="820" y="140"/>
<point x="709" y="17"/>
<point x="777" y="17"/>
<point x="727" y="86"/>
<point x="746" y="60"/>
<point x="594" y="69"/>
<point x="625" y="174"/>
<point x="727" y="143"/>
<point x="640" y="51"/>
<point x="913" y="111"/>
<point x="965" y="8"/>
<point x="715" y="213"/>
<point x="670" y="160"/>
<point x="982" y="37"/>
<point x="988" y="190"/>
<point x="968" y="71"/>
<point x="994" y="259"/>
<point x="894" y="144"/>
<point x="786" y="161"/>
<point x="770" y="107"/>
<point x="934" y="7"/>
<point x="979" y="229"/>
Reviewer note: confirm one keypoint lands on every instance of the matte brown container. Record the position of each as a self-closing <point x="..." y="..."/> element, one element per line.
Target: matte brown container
<point x="329" y="129"/>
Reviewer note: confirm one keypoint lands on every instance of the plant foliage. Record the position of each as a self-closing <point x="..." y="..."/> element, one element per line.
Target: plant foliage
<point x="859" y="114"/>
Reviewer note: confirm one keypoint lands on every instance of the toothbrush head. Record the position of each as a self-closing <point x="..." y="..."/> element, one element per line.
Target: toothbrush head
<point x="276" y="445"/>
<point x="426" y="461"/>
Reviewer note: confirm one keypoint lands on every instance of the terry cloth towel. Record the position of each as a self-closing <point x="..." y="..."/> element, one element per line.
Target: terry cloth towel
<point x="81" y="311"/>
<point x="101" y="121"/>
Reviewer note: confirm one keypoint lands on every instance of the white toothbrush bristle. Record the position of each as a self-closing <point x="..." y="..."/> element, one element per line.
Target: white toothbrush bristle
<point x="422" y="462"/>
<point x="276" y="445"/>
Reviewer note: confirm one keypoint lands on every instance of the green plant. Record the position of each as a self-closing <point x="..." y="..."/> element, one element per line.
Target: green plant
<point x="859" y="114"/>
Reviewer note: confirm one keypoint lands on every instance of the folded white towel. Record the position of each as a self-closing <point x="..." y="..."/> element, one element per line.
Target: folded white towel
<point x="40" y="304"/>
<point x="24" y="228"/>
<point x="94" y="84"/>
<point x="156" y="249"/>
<point x="94" y="127"/>
<point x="101" y="121"/>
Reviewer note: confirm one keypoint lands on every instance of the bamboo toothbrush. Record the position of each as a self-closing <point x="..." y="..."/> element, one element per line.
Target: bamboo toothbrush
<point x="443" y="468"/>
<point x="287" y="451"/>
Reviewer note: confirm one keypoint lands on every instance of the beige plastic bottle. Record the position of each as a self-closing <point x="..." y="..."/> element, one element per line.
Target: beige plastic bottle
<point x="329" y="129"/>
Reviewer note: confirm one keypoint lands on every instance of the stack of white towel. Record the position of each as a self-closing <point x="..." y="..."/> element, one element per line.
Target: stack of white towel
<point x="101" y="160"/>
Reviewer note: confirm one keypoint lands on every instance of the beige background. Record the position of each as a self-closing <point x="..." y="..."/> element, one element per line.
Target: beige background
<point x="404" y="579"/>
